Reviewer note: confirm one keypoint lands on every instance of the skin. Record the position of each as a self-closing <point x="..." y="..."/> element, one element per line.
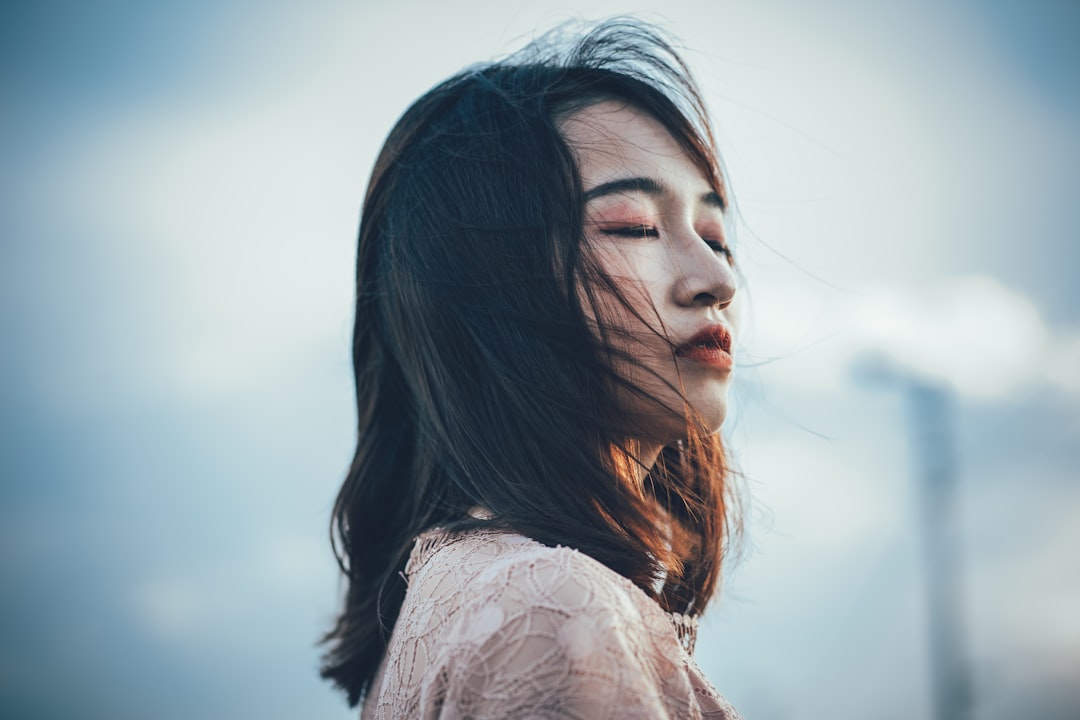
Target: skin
<point x="656" y="227"/>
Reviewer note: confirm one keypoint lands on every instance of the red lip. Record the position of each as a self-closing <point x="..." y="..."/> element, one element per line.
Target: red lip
<point x="711" y="346"/>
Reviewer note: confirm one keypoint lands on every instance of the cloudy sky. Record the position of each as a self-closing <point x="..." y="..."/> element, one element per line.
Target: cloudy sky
<point x="180" y="189"/>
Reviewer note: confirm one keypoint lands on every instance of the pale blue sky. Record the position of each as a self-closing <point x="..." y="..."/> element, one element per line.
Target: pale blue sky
<point x="181" y="185"/>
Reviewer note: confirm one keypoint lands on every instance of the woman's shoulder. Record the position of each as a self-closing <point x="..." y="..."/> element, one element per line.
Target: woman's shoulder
<point x="497" y="625"/>
<point x="486" y="568"/>
<point x="496" y="594"/>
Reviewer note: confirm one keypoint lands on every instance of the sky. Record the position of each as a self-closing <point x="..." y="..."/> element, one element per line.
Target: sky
<point x="180" y="194"/>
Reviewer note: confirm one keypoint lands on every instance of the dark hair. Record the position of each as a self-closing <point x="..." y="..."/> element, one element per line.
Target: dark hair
<point x="478" y="379"/>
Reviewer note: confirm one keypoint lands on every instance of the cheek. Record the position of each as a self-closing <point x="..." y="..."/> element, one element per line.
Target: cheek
<point x="627" y="313"/>
<point x="637" y="277"/>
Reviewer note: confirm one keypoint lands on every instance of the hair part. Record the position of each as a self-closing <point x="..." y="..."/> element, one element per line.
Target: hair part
<point x="479" y="381"/>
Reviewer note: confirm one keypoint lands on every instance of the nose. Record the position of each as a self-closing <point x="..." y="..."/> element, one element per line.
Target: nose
<point x="705" y="275"/>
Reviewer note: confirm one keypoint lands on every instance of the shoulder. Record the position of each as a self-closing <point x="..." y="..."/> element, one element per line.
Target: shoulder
<point x="497" y="625"/>
<point x="516" y="574"/>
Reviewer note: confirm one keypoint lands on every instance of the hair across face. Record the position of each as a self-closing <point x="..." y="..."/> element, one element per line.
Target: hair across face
<point x="543" y="307"/>
<point x="655" y="226"/>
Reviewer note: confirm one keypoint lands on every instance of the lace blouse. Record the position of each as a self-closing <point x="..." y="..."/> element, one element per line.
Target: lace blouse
<point x="495" y="625"/>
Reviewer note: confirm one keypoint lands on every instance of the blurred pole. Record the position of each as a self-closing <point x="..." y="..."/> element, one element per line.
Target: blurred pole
<point x="931" y="416"/>
<point x="930" y="413"/>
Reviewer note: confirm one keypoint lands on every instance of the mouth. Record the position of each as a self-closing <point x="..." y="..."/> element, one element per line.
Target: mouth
<point x="711" y="346"/>
<point x="714" y="337"/>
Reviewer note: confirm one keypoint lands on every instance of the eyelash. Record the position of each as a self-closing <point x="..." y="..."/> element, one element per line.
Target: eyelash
<point x="719" y="247"/>
<point x="633" y="231"/>
<point x="637" y="231"/>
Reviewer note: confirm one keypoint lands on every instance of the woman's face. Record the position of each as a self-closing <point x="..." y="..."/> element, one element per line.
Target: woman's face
<point x="655" y="225"/>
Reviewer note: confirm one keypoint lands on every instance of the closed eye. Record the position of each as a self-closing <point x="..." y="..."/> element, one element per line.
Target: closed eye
<point x="721" y="248"/>
<point x="632" y="231"/>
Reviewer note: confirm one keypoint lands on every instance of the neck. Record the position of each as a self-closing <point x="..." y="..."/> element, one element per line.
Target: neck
<point x="634" y="460"/>
<point x="648" y="453"/>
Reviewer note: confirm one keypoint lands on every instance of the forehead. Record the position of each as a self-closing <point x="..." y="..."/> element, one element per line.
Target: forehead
<point x="611" y="139"/>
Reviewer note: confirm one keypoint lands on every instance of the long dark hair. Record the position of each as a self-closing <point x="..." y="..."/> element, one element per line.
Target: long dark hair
<point x="479" y="382"/>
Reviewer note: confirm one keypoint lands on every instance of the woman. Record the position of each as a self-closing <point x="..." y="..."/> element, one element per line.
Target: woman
<point x="537" y="509"/>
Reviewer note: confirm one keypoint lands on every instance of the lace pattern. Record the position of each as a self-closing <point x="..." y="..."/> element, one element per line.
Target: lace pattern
<point x="686" y="629"/>
<point x="495" y="625"/>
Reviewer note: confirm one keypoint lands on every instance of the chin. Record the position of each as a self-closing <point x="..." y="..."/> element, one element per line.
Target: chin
<point x="705" y="420"/>
<point x="708" y="420"/>
<point x="708" y="408"/>
<point x="663" y="420"/>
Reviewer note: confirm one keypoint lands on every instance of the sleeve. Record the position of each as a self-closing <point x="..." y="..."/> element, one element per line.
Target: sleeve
<point x="549" y="639"/>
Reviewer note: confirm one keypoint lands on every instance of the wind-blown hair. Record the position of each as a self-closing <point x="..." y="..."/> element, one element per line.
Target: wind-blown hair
<point x="480" y="380"/>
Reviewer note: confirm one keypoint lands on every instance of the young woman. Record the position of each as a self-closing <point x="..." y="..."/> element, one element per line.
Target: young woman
<point x="537" y="509"/>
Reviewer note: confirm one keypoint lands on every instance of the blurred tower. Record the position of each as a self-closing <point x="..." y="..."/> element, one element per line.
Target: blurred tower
<point x="931" y="429"/>
<point x="931" y="422"/>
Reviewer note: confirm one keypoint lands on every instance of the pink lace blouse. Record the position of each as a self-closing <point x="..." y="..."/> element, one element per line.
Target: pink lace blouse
<point x="495" y="625"/>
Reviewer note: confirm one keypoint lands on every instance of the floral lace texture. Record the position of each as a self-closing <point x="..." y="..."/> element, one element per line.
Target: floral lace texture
<point x="496" y="625"/>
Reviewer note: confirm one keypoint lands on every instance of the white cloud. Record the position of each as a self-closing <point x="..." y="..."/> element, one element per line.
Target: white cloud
<point x="220" y="602"/>
<point x="1063" y="363"/>
<point x="295" y="563"/>
<point x="235" y="226"/>
<point x="171" y="608"/>
<point x="973" y="333"/>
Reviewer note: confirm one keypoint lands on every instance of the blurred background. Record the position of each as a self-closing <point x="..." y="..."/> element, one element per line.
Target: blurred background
<point x="180" y="194"/>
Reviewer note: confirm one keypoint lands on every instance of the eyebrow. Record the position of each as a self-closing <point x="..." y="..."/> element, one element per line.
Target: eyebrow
<point x="647" y="186"/>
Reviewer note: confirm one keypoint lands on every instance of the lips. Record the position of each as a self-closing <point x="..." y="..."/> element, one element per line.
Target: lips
<point x="711" y="346"/>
